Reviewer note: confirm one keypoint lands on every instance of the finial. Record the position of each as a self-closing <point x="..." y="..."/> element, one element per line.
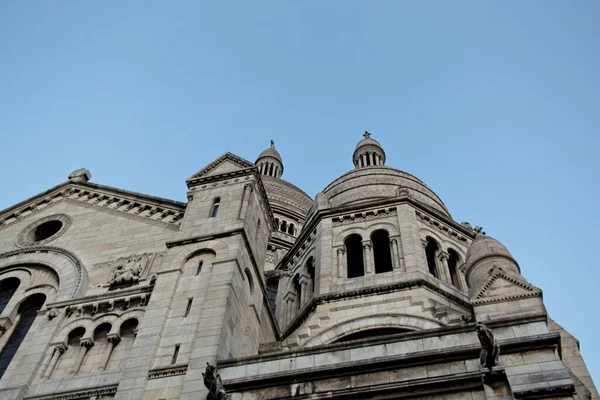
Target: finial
<point x="272" y="144"/>
<point x="367" y="134"/>
<point x="478" y="231"/>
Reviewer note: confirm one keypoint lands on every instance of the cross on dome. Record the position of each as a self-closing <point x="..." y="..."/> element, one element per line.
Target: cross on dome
<point x="367" y="134"/>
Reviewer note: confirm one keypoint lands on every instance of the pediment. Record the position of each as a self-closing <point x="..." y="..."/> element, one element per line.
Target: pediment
<point x="227" y="164"/>
<point x="501" y="286"/>
<point x="143" y="208"/>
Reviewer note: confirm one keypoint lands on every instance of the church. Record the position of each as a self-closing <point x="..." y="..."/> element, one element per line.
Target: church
<point x="254" y="290"/>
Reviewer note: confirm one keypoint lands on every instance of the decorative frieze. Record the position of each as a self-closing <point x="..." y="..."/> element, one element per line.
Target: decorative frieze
<point x="363" y="216"/>
<point x="128" y="270"/>
<point x="165" y="372"/>
<point x="92" y="393"/>
<point x="159" y="215"/>
<point x="445" y="229"/>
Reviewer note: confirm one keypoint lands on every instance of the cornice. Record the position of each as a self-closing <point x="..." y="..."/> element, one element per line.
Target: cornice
<point x="97" y="391"/>
<point x="373" y="290"/>
<point x="157" y="212"/>
<point x="165" y="372"/>
<point x="442" y="227"/>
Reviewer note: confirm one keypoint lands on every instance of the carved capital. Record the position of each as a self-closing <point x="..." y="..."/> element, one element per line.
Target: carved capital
<point x="86" y="342"/>
<point x="60" y="348"/>
<point x="341" y="251"/>
<point x="367" y="244"/>
<point x="113" y="338"/>
<point x="289" y="297"/>
<point x="443" y="256"/>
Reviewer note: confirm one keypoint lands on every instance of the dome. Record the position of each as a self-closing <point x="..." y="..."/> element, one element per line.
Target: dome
<point x="284" y="195"/>
<point x="270" y="152"/>
<point x="380" y="182"/>
<point x="269" y="162"/>
<point x="485" y="247"/>
<point x="368" y="141"/>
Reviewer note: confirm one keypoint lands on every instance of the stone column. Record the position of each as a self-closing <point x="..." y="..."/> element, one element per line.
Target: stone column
<point x="461" y="279"/>
<point x="289" y="299"/>
<point x="341" y="262"/>
<point x="368" y="256"/>
<point x="86" y="344"/>
<point x="364" y="160"/>
<point x="371" y="159"/>
<point x="397" y="256"/>
<point x="58" y="351"/>
<point x="303" y="281"/>
<point x="113" y="341"/>
<point x="245" y="201"/>
<point x="443" y="269"/>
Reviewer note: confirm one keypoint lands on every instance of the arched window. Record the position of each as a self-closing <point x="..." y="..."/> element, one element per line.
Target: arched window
<point x="381" y="251"/>
<point x="67" y="360"/>
<point x="354" y="253"/>
<point x="431" y="252"/>
<point x="249" y="278"/>
<point x="297" y="290"/>
<point x="95" y="355"/>
<point x="283" y="226"/>
<point x="272" y="287"/>
<point x="8" y="287"/>
<point x="215" y="207"/>
<point x="453" y="262"/>
<point x="271" y="169"/>
<point x="26" y="316"/>
<point x="277" y="222"/>
<point x="291" y="229"/>
<point x="310" y="268"/>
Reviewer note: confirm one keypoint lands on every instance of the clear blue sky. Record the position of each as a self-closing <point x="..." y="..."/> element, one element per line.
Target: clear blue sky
<point x="495" y="105"/>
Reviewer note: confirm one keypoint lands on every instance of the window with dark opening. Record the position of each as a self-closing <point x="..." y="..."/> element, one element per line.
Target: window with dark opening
<point x="215" y="207"/>
<point x="431" y="251"/>
<point x="381" y="251"/>
<point x="453" y="260"/>
<point x="272" y="287"/>
<point x="8" y="287"/>
<point x="199" y="267"/>
<point x="27" y="313"/>
<point x="354" y="254"/>
<point x="175" y="354"/>
<point x="189" y="306"/>
<point x="297" y="290"/>
<point x="310" y="268"/>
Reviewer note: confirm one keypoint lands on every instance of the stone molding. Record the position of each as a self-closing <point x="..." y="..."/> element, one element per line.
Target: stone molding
<point x="531" y="291"/>
<point x="364" y="216"/>
<point x="165" y="372"/>
<point x="373" y="290"/>
<point x="454" y="234"/>
<point x="23" y="241"/>
<point x="78" y="394"/>
<point x="155" y="213"/>
<point x="200" y="176"/>
<point x="40" y="256"/>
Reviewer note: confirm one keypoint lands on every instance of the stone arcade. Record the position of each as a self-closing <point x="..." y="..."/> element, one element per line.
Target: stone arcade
<point x="369" y="291"/>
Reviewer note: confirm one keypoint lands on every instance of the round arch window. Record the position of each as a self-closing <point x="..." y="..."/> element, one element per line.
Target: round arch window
<point x="44" y="230"/>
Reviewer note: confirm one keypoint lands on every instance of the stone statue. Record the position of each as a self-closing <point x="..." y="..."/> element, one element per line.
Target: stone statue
<point x="277" y="274"/>
<point x="490" y="348"/>
<point x="127" y="269"/>
<point x="478" y="230"/>
<point x="272" y="144"/>
<point x="212" y="381"/>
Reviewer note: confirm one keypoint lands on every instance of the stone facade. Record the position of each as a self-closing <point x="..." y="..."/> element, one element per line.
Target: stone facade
<point x="369" y="291"/>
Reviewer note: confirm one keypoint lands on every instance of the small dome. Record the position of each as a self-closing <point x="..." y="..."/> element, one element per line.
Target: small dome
<point x="368" y="153"/>
<point x="484" y="247"/>
<point x="270" y="152"/>
<point x="269" y="162"/>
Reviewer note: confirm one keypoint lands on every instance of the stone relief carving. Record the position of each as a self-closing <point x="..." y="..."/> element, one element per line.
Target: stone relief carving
<point x="212" y="381"/>
<point x="128" y="269"/>
<point x="490" y="348"/>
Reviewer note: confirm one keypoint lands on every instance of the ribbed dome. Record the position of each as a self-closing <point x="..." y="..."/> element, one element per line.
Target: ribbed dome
<point x="284" y="195"/>
<point x="368" y="141"/>
<point x="380" y="182"/>
<point x="270" y="152"/>
<point x="484" y="247"/>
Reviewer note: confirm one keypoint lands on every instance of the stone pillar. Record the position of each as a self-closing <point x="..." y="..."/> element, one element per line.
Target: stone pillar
<point x="113" y="341"/>
<point x="290" y="311"/>
<point x="245" y="201"/>
<point x="86" y="344"/>
<point x="368" y="256"/>
<point x="341" y="262"/>
<point x="397" y="256"/>
<point x="364" y="160"/>
<point x="443" y="269"/>
<point x="371" y="159"/>
<point x="303" y="281"/>
<point x="58" y="351"/>
<point x="461" y="279"/>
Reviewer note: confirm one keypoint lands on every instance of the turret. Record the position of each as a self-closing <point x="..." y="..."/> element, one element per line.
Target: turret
<point x="368" y="153"/>
<point x="269" y="162"/>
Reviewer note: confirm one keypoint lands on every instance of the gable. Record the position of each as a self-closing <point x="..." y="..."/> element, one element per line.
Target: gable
<point x="227" y="164"/>
<point x="501" y="286"/>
